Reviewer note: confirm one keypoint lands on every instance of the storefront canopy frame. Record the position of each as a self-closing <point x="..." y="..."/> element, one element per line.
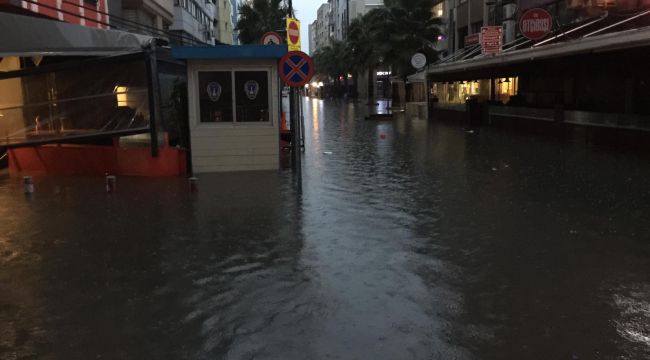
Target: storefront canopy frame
<point x="628" y="39"/>
<point x="30" y="36"/>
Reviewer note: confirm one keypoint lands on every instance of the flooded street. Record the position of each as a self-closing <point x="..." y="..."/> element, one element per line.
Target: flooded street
<point x="408" y="240"/>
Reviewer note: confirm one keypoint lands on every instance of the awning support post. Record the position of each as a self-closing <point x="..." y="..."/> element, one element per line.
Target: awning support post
<point x="154" y="98"/>
<point x="493" y="96"/>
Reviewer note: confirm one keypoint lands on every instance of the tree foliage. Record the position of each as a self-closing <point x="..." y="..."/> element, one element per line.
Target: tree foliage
<point x="408" y="27"/>
<point x="258" y="17"/>
<point x="387" y="36"/>
<point x="333" y="60"/>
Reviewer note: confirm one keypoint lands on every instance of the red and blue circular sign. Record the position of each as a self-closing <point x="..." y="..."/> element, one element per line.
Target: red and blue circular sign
<point x="296" y="68"/>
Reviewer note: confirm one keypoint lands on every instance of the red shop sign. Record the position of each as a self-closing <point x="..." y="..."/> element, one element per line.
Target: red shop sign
<point x="535" y="24"/>
<point x="472" y="39"/>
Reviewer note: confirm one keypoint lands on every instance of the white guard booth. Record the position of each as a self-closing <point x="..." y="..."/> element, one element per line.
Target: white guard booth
<point x="234" y="106"/>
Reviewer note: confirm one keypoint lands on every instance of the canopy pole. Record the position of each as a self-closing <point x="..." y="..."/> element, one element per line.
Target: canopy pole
<point x="154" y="98"/>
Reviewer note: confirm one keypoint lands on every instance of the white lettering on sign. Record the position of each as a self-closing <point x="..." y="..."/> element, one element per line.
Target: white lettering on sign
<point x="536" y="25"/>
<point x="491" y="39"/>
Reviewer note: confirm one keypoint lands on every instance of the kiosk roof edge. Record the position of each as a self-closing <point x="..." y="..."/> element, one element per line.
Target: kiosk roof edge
<point x="230" y="52"/>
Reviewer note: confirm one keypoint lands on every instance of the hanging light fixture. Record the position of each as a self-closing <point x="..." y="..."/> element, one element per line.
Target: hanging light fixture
<point x="507" y="80"/>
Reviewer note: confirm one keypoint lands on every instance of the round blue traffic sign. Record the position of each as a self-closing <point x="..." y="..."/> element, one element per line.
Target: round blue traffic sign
<point x="296" y="68"/>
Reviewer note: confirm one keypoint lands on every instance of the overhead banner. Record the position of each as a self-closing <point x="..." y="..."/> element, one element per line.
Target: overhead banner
<point x="293" y="34"/>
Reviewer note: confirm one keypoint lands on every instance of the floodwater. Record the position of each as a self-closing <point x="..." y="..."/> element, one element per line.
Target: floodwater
<point x="408" y="240"/>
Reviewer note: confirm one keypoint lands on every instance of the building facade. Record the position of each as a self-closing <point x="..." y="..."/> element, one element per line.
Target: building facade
<point x="150" y="17"/>
<point x="359" y="8"/>
<point x="224" y="25"/>
<point x="556" y="81"/>
<point x="339" y="18"/>
<point x="235" y="17"/>
<point x="87" y="13"/>
<point x="312" y="38"/>
<point x="342" y="12"/>
<point x="194" y="22"/>
<point x="320" y="29"/>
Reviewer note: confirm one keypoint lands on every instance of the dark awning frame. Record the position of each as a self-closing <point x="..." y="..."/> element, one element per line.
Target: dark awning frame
<point x="22" y="35"/>
<point x="622" y="40"/>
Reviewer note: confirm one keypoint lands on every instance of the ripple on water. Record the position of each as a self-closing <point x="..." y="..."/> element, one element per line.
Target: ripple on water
<point x="632" y="303"/>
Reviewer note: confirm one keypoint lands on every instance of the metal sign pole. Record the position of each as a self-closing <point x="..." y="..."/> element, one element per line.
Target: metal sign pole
<point x="295" y="130"/>
<point x="302" y="123"/>
<point x="296" y="69"/>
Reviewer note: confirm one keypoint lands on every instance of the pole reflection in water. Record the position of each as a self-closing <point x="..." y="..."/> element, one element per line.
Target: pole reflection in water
<point x="430" y="243"/>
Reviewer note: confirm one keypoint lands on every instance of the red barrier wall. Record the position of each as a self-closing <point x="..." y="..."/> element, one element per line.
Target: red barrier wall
<point x="96" y="160"/>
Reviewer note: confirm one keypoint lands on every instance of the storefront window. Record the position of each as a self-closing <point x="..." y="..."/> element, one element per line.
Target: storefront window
<point x="215" y="96"/>
<point x="506" y="87"/>
<point x="458" y="92"/>
<point x="438" y="10"/>
<point x="252" y="96"/>
<point x="37" y="107"/>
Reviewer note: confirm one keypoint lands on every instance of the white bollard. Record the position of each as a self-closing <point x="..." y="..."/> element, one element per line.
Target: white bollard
<point x="110" y="183"/>
<point x="28" y="182"/>
<point x="193" y="183"/>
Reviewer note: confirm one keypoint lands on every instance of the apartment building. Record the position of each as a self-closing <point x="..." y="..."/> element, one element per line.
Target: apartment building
<point x="194" y="21"/>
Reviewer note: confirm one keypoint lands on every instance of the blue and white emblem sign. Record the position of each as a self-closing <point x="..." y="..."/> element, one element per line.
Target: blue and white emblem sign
<point x="214" y="91"/>
<point x="251" y="88"/>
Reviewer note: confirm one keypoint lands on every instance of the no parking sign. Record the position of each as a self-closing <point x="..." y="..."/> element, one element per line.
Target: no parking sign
<point x="296" y="68"/>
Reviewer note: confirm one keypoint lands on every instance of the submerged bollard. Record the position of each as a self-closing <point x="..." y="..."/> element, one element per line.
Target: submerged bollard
<point x="110" y="183"/>
<point x="28" y="182"/>
<point x="193" y="184"/>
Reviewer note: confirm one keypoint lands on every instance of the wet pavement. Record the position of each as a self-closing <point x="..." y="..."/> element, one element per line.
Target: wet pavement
<point x="408" y="240"/>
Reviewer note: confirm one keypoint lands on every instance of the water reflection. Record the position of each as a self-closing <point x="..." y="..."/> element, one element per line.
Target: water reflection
<point x="426" y="243"/>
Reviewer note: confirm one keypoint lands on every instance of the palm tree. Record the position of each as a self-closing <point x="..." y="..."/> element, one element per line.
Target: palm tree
<point x="258" y="17"/>
<point x="333" y="62"/>
<point x="363" y="39"/>
<point x="393" y="34"/>
<point x="406" y="27"/>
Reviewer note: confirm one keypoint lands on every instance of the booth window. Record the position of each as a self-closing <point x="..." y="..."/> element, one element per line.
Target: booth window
<point x="215" y="96"/>
<point x="252" y="96"/>
<point x="234" y="96"/>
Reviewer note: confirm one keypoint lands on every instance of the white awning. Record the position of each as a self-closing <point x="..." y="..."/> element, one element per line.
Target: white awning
<point x="28" y="36"/>
<point x="595" y="44"/>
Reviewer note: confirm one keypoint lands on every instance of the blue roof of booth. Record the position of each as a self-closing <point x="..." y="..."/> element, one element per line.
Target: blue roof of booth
<point x="227" y="52"/>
